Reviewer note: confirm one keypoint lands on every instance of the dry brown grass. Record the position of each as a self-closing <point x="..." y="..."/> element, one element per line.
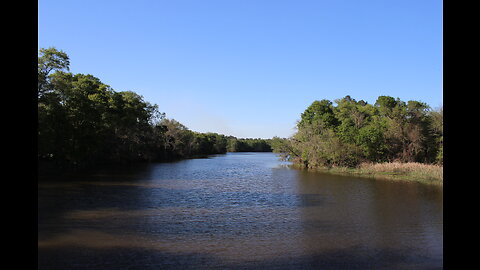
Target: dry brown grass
<point x="409" y="170"/>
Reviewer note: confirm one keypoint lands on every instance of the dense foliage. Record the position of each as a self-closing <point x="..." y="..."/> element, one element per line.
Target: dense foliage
<point x="84" y="122"/>
<point x="248" y="145"/>
<point x="354" y="131"/>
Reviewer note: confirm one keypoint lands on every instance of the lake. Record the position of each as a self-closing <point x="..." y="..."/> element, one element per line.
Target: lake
<point x="236" y="211"/>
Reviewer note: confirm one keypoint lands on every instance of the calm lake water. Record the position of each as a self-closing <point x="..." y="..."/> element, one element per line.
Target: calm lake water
<point x="236" y="211"/>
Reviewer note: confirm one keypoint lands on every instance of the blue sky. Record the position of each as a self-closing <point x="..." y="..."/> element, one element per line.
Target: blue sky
<point x="249" y="68"/>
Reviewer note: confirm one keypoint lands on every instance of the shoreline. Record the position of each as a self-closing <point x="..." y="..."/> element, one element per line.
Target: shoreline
<point x="396" y="171"/>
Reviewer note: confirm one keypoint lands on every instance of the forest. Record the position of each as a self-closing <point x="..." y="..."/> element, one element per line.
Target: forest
<point x="83" y="122"/>
<point x="349" y="132"/>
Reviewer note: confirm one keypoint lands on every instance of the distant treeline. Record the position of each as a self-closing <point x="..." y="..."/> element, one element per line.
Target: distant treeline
<point x="353" y="132"/>
<point x="249" y="145"/>
<point x="83" y="122"/>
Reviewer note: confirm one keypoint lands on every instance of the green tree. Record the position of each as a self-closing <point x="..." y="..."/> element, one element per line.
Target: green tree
<point x="437" y="133"/>
<point x="352" y="132"/>
<point x="50" y="60"/>
<point x="319" y="111"/>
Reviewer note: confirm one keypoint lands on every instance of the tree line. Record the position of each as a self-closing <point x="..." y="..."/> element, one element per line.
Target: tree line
<point x="83" y="122"/>
<point x="352" y="132"/>
<point x="249" y="145"/>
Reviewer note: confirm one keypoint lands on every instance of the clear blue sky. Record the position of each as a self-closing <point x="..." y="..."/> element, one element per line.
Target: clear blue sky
<point x="249" y="68"/>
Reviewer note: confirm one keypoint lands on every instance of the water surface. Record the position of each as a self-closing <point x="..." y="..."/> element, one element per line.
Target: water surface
<point x="236" y="211"/>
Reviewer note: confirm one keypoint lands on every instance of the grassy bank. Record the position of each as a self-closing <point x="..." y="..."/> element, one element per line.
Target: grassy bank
<point x="410" y="171"/>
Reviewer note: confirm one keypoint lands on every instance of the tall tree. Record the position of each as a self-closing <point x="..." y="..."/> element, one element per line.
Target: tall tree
<point x="49" y="60"/>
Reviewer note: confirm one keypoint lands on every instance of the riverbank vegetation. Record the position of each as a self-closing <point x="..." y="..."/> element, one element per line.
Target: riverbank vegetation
<point x="249" y="145"/>
<point x="83" y="122"/>
<point x="391" y="138"/>
<point x="409" y="171"/>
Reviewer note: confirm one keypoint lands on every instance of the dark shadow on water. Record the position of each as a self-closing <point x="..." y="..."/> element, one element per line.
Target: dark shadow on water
<point x="227" y="210"/>
<point x="91" y="197"/>
<point x="357" y="258"/>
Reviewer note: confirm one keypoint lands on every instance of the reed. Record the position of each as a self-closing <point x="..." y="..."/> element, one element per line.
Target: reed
<point x="411" y="171"/>
<point x="408" y="169"/>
